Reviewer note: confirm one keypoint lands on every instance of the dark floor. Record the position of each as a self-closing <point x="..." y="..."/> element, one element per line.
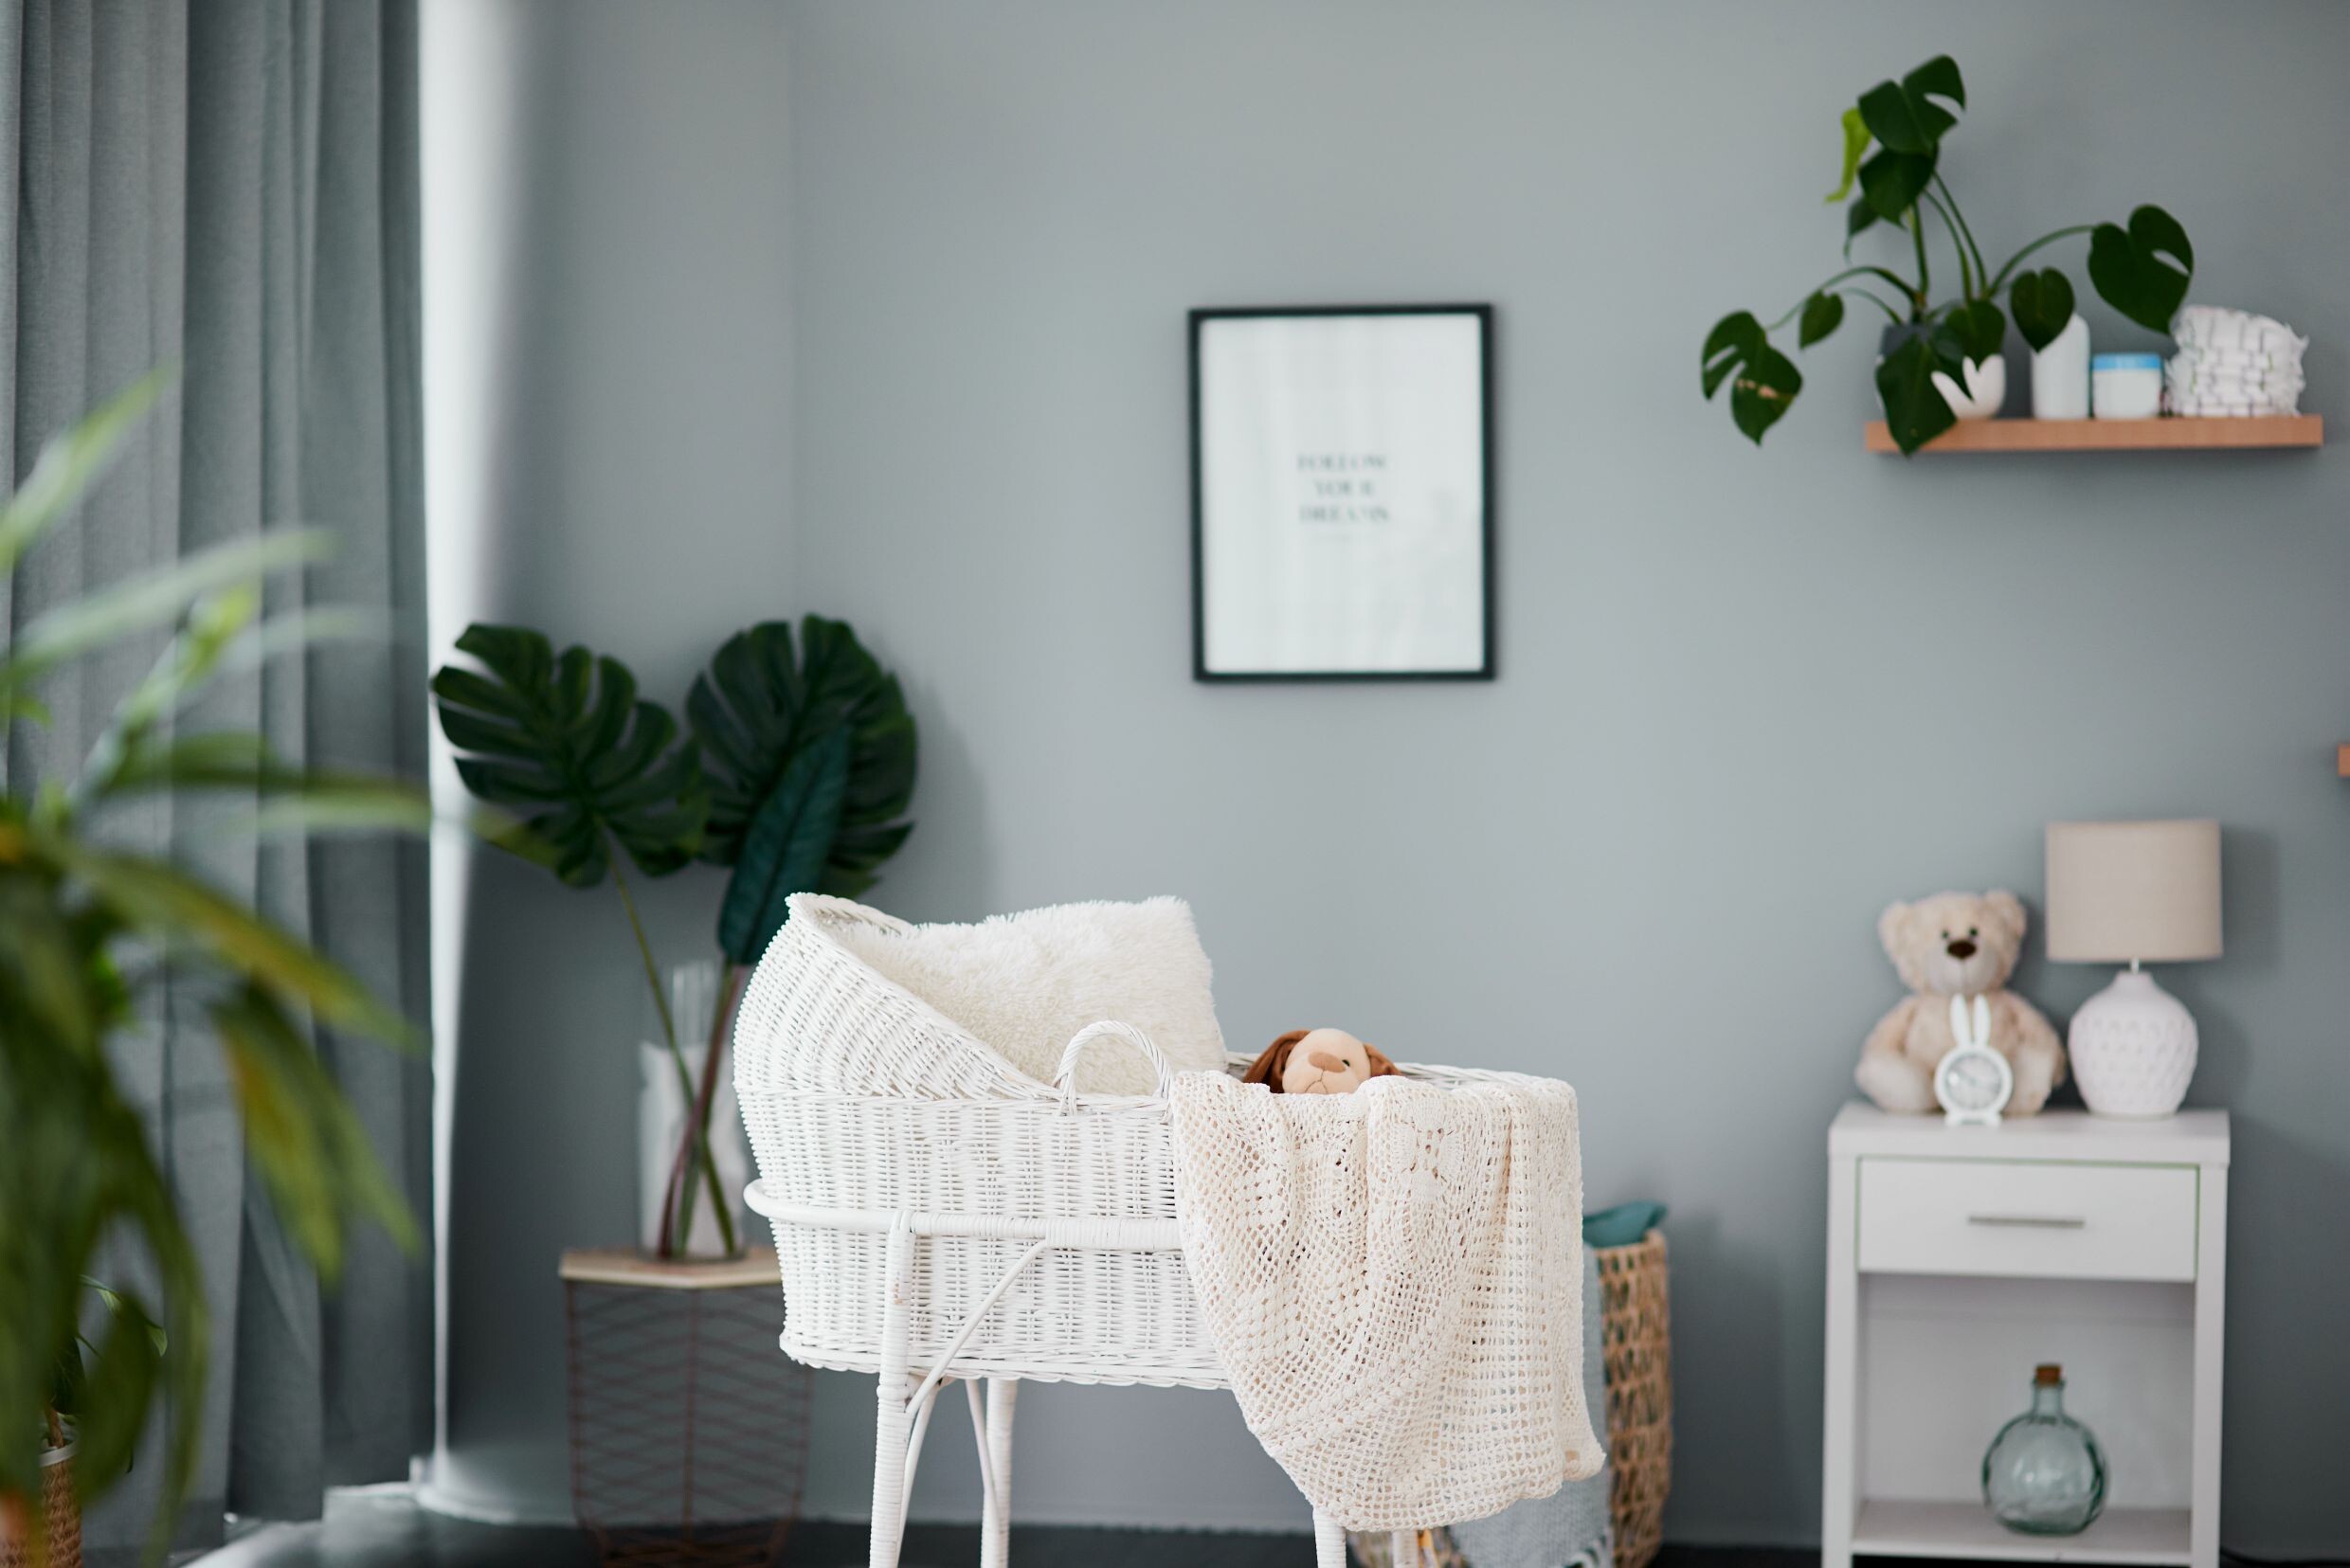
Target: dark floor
<point x="382" y="1529"/>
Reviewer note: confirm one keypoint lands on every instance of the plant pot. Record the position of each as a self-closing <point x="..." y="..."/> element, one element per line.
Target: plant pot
<point x="1976" y="396"/>
<point x="62" y="1510"/>
<point x="2060" y="374"/>
<point x="1984" y="392"/>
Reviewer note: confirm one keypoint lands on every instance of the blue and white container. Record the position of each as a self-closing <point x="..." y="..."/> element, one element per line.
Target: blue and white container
<point x="2126" y="385"/>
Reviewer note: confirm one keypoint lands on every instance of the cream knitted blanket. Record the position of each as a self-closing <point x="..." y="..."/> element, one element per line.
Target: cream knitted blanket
<point x="1394" y="1280"/>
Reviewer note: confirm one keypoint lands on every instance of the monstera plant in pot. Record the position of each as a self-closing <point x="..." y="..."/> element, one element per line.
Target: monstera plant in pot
<point x="1942" y="359"/>
<point x="795" y="776"/>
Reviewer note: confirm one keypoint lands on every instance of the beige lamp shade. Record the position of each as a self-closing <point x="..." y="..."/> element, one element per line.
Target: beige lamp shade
<point x="2123" y="893"/>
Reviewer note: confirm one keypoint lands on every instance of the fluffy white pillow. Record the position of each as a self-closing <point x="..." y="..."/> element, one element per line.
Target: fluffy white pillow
<point x="1025" y="982"/>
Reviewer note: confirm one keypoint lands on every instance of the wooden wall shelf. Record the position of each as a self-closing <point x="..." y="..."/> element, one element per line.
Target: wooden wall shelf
<point x="2100" y="435"/>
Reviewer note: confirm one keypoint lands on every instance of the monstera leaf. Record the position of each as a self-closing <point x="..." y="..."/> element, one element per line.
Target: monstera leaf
<point x="1822" y="315"/>
<point x="1980" y="329"/>
<point x="1856" y="218"/>
<point x="566" y="744"/>
<point x="2043" y="304"/>
<point x="810" y="754"/>
<point x="1763" y="382"/>
<point x="1906" y="116"/>
<point x="787" y="846"/>
<point x="1914" y="410"/>
<point x="1856" y="139"/>
<point x="1907" y="119"/>
<point x="2143" y="270"/>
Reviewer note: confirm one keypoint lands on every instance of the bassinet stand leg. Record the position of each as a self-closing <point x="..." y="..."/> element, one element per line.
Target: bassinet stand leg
<point x="894" y="1391"/>
<point x="1329" y="1542"/>
<point x="995" y="1527"/>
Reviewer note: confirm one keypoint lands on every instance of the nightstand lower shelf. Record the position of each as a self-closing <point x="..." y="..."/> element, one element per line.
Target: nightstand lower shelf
<point x="2152" y="1538"/>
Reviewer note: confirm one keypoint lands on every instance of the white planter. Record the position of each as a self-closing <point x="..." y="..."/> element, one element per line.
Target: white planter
<point x="1985" y="389"/>
<point x="2060" y="374"/>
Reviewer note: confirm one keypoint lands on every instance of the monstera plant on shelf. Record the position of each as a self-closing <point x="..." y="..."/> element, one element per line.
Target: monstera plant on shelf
<point x="796" y="775"/>
<point x="1892" y="153"/>
<point x="98" y="938"/>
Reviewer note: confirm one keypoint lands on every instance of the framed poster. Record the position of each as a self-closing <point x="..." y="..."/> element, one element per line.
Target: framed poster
<point x="1342" y="493"/>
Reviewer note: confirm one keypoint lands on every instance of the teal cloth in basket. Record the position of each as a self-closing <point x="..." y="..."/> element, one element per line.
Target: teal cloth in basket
<point x="1621" y="1225"/>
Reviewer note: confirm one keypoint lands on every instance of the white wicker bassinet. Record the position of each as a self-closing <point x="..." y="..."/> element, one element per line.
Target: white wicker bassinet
<point x="940" y="1215"/>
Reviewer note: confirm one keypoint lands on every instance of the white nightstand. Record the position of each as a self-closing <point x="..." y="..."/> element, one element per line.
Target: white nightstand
<point x="1959" y="1258"/>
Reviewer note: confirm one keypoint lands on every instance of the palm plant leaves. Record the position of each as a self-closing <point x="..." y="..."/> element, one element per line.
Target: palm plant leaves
<point x="151" y="599"/>
<point x="77" y="1164"/>
<point x="306" y="1140"/>
<point x="106" y="1394"/>
<point x="167" y="905"/>
<point x="567" y="743"/>
<point x="758" y="709"/>
<point x="70" y="464"/>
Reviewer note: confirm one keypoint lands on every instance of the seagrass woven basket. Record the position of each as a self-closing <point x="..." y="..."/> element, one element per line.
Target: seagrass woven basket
<point x="61" y="1511"/>
<point x="1635" y="1329"/>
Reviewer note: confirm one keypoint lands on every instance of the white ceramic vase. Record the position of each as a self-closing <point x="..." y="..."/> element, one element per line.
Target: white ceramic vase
<point x="2133" y="1047"/>
<point x="1985" y="389"/>
<point x="2060" y="374"/>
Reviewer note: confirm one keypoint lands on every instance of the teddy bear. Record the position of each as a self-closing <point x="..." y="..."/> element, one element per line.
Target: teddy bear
<point x="1956" y="944"/>
<point x="1317" y="1061"/>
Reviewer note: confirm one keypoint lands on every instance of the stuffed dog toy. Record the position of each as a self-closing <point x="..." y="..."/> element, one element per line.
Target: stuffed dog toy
<point x="1317" y="1061"/>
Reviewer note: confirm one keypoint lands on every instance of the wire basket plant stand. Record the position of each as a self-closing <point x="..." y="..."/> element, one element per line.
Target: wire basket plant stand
<point x="689" y="1433"/>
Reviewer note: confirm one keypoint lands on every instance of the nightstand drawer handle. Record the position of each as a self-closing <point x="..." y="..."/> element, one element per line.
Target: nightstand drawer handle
<point x="2031" y="1222"/>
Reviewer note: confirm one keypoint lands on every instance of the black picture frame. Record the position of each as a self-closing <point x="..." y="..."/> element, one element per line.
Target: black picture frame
<point x="1486" y="669"/>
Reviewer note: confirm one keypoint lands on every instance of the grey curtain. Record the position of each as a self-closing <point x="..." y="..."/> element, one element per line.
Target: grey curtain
<point x="230" y="184"/>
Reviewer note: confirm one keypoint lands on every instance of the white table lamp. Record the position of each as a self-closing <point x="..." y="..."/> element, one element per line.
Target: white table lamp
<point x="2134" y="894"/>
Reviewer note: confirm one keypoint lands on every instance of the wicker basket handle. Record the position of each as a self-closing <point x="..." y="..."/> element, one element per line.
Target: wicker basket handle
<point x="1066" y="1079"/>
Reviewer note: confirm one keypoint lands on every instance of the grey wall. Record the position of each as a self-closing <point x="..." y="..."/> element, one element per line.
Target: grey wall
<point x="607" y="367"/>
<point x="1745" y="697"/>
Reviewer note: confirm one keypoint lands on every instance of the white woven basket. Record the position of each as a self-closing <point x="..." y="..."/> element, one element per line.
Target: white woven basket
<point x="862" y="1100"/>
